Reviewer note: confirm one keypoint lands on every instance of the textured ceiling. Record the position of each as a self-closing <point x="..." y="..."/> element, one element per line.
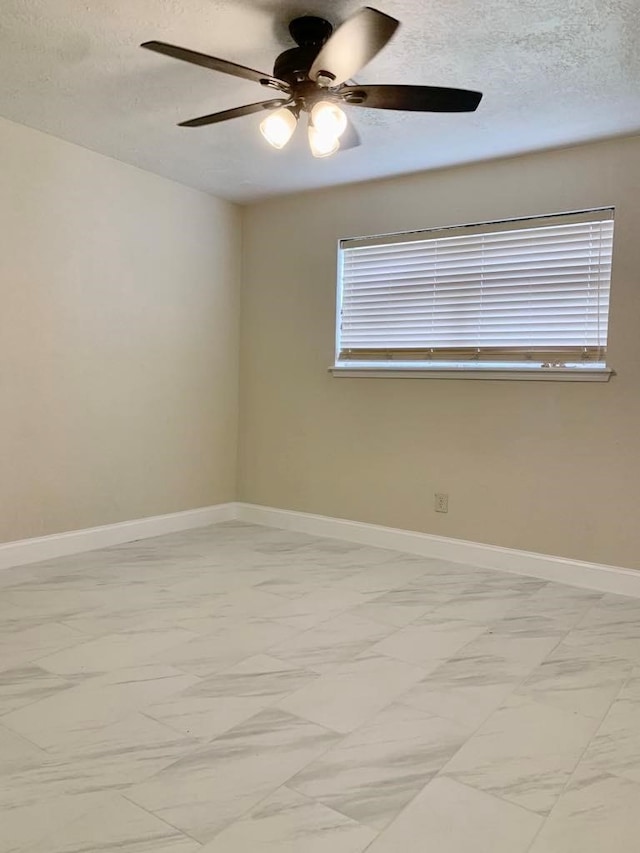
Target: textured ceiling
<point x="553" y="72"/>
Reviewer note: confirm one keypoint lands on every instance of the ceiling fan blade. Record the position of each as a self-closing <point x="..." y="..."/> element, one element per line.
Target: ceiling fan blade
<point x="432" y="99"/>
<point x="350" y="138"/>
<point x="213" y="63"/>
<point x="236" y="112"/>
<point x="353" y="45"/>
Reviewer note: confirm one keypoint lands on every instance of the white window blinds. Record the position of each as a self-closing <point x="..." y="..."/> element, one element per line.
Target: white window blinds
<point x="533" y="290"/>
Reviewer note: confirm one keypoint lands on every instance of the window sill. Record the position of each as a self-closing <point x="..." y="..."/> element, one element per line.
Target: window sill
<point x="537" y="374"/>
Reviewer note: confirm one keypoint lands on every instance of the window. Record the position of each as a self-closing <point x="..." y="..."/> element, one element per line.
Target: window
<point x="526" y="297"/>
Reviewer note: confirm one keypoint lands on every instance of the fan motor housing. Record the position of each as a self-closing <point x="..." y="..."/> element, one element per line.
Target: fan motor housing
<point x="309" y="33"/>
<point x="293" y="65"/>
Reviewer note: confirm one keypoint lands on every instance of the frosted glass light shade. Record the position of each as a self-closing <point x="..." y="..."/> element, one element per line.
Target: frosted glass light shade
<point x="322" y="144"/>
<point x="328" y="118"/>
<point x="278" y="127"/>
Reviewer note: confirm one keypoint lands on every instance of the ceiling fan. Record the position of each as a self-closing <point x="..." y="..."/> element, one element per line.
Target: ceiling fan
<point x="315" y="78"/>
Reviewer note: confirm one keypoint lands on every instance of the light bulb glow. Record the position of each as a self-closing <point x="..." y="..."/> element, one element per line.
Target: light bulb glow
<point x="322" y="144"/>
<point x="278" y="127"/>
<point x="328" y="118"/>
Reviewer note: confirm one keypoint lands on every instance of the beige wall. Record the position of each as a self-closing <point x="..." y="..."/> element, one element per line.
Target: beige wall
<point x="119" y="350"/>
<point x="550" y="467"/>
<point x="118" y="340"/>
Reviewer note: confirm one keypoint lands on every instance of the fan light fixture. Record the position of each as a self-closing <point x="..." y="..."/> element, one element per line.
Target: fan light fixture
<point x="278" y="127"/>
<point x="327" y="123"/>
<point x="329" y="119"/>
<point x="322" y="144"/>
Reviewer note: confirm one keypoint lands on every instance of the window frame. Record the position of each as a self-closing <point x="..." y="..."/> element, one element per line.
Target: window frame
<point x="378" y="367"/>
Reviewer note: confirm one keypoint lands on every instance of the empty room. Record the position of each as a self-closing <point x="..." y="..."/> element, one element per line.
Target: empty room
<point x="319" y="427"/>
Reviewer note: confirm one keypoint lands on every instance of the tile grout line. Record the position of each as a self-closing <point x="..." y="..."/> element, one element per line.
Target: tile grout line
<point x="121" y="792"/>
<point x="271" y="792"/>
<point x="442" y="773"/>
<point x="582" y="754"/>
<point x="22" y="737"/>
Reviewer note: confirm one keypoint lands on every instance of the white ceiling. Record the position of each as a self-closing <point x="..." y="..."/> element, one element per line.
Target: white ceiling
<point x="553" y="72"/>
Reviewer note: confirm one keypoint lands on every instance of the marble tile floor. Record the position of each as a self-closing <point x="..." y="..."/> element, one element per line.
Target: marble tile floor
<point x="240" y="688"/>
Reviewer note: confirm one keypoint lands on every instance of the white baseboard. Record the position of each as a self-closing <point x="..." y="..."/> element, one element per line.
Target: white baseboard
<point x="571" y="572"/>
<point x="75" y="541"/>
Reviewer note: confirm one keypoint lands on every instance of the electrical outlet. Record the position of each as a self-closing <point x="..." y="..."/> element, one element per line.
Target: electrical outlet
<point x="441" y="502"/>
